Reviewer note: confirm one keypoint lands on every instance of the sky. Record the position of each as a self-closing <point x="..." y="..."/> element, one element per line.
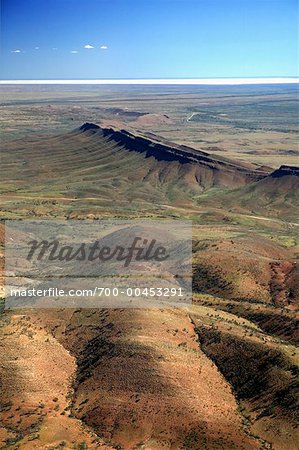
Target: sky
<point x="112" y="39"/>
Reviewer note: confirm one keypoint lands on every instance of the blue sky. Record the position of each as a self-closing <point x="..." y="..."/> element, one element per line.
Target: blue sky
<point x="148" y="38"/>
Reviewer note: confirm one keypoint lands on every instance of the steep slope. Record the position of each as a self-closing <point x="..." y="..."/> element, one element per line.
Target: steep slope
<point x="36" y="387"/>
<point x="109" y="169"/>
<point x="262" y="373"/>
<point x="246" y="269"/>
<point x="279" y="189"/>
<point x="225" y="172"/>
<point x="141" y="381"/>
<point x="277" y="194"/>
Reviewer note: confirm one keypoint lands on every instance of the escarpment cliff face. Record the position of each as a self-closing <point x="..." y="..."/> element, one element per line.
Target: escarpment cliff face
<point x="65" y="174"/>
<point x="121" y="171"/>
<point x="285" y="171"/>
<point x="208" y="170"/>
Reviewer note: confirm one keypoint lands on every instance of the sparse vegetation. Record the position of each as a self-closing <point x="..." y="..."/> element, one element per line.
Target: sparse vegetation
<point x="221" y="374"/>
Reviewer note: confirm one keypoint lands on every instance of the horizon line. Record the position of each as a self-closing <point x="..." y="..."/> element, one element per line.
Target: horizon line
<point x="163" y="81"/>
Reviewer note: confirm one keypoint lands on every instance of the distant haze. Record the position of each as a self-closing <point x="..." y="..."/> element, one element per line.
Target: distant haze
<point x="178" y="81"/>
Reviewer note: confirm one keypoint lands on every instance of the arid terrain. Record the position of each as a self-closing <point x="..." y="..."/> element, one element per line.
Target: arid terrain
<point x="219" y="374"/>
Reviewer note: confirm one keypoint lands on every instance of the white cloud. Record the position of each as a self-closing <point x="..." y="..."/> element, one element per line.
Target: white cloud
<point x="16" y="51"/>
<point x="88" y="46"/>
<point x="54" y="48"/>
<point x="36" y="48"/>
<point x="74" y="51"/>
<point x="104" y="47"/>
